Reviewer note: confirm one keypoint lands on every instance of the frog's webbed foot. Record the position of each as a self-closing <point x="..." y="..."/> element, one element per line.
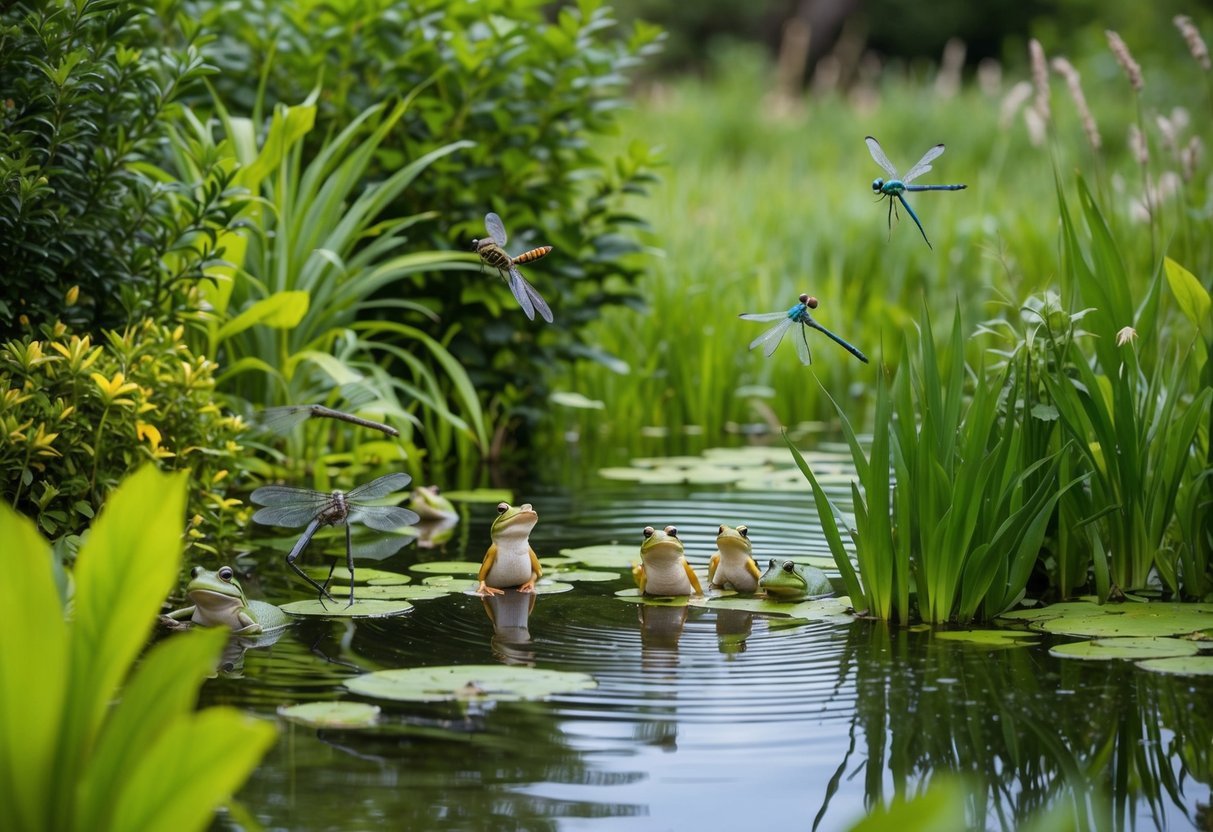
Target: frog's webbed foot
<point x="484" y="589"/>
<point x="529" y="586"/>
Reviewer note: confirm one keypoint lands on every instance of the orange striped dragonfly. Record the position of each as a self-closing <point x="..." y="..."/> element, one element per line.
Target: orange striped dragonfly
<point x="492" y="251"/>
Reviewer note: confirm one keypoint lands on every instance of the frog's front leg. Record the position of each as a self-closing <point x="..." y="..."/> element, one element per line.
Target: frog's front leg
<point x="182" y="614"/>
<point x="489" y="558"/>
<point x="249" y="626"/>
<point x="536" y="571"/>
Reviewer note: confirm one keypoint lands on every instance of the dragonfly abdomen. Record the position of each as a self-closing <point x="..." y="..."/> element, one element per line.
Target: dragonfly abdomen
<point x="935" y="187"/>
<point x="533" y="254"/>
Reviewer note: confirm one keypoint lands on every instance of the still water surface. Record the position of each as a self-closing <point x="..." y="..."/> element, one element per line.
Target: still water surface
<point x="703" y="719"/>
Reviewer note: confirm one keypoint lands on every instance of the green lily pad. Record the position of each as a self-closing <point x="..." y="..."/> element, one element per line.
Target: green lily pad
<point x="404" y="593"/>
<point x="480" y="495"/>
<point x="443" y="580"/>
<point x="608" y="555"/>
<point x="1103" y="649"/>
<point x="447" y="567"/>
<point x="653" y="476"/>
<point x="780" y="622"/>
<point x="990" y="638"/>
<point x="634" y="596"/>
<point x="468" y="683"/>
<point x="1054" y="611"/>
<point x="1180" y="665"/>
<point x="751" y="455"/>
<point x="824" y="609"/>
<point x="586" y="575"/>
<point x="1140" y="620"/>
<point x="373" y="577"/>
<point x="370" y="608"/>
<point x="546" y="587"/>
<point x="556" y="562"/>
<point x="336" y="714"/>
<point x="667" y="462"/>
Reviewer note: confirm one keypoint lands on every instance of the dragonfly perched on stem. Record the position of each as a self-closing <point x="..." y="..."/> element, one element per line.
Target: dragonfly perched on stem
<point x="492" y="251"/>
<point x="282" y="419"/>
<point x="896" y="186"/>
<point x="294" y="507"/>
<point x="798" y="314"/>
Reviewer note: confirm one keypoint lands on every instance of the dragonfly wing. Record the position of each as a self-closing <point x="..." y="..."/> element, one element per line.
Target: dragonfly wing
<point x="762" y="316"/>
<point x="518" y="287"/>
<point x="381" y="487"/>
<point x="541" y="305"/>
<point x="282" y="419"/>
<point x="384" y="518"/>
<point x="881" y="159"/>
<point x="772" y="336"/>
<point x="924" y="164"/>
<point x="280" y="495"/>
<point x="289" y="517"/>
<point x="496" y="228"/>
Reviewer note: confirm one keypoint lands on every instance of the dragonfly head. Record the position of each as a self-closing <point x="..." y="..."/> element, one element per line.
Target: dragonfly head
<point x="877" y="184"/>
<point x="475" y="244"/>
<point x="809" y="301"/>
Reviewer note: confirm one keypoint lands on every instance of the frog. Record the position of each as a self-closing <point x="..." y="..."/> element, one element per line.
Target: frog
<point x="788" y="581"/>
<point x="428" y="502"/>
<point x="510" y="560"/>
<point x="733" y="564"/>
<point x="663" y="568"/>
<point x="219" y="602"/>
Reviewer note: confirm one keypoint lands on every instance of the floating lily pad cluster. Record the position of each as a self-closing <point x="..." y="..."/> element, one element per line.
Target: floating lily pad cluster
<point x="468" y="683"/>
<point x="1160" y="637"/>
<point x="752" y="468"/>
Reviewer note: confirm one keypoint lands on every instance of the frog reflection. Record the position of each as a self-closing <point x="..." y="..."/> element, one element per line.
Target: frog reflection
<point x="509" y="612"/>
<point x="733" y="627"/>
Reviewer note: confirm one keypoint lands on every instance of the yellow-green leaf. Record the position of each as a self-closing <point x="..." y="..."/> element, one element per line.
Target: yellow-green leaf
<point x="281" y="310"/>
<point x="1192" y="298"/>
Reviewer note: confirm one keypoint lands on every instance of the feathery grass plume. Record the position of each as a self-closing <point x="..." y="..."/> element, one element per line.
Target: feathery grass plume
<point x="1196" y="44"/>
<point x="947" y="82"/>
<point x="1012" y="102"/>
<point x="1036" y="127"/>
<point x="1067" y="71"/>
<point x="1120" y="51"/>
<point x="1040" y="79"/>
<point x="989" y="76"/>
<point x="1137" y="144"/>
<point x="1190" y="157"/>
<point x="1171" y="129"/>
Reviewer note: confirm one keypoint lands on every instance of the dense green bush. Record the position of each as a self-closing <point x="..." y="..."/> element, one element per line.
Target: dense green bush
<point x="529" y="93"/>
<point x="76" y="417"/>
<point x="87" y="91"/>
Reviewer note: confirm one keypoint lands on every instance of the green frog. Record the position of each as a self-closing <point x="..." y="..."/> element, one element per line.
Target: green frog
<point x="219" y="602"/>
<point x="663" y="568"/>
<point x="510" y="560"/>
<point x="429" y="503"/>
<point x="788" y="581"/>
<point x="733" y="564"/>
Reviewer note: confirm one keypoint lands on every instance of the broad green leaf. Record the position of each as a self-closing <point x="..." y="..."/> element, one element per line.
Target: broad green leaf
<point x="1103" y="649"/>
<point x="370" y="608"/>
<point x="1191" y="296"/>
<point x="33" y="675"/>
<point x="281" y="310"/>
<point x="209" y="754"/>
<point x="126" y="567"/>
<point x="468" y="683"/>
<point x="1180" y="665"/>
<point x="289" y="125"/>
<point x="162" y="690"/>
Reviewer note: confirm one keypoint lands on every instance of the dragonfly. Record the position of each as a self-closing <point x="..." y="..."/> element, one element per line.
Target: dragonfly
<point x="896" y="186"/>
<point x="294" y="507"/>
<point x="283" y="419"/>
<point x="798" y="314"/>
<point x="492" y="251"/>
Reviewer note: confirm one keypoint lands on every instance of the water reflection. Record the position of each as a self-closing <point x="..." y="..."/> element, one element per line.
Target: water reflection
<point x="510" y="615"/>
<point x="1121" y="746"/>
<point x="733" y="627"/>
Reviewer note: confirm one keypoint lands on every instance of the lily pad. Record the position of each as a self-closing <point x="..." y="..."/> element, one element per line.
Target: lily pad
<point x="779" y="622"/>
<point x="556" y="562"/>
<point x="338" y="714"/>
<point x="443" y="580"/>
<point x="370" y="608"/>
<point x="404" y="593"/>
<point x="1140" y="620"/>
<point x="653" y="476"/>
<point x="1054" y="611"/>
<point x="608" y="555"/>
<point x="1103" y="649"/>
<point x="667" y="461"/>
<point x="480" y="495"/>
<point x="824" y="609"/>
<point x="1180" y="665"/>
<point x="372" y="577"/>
<point x="577" y="575"/>
<point x="634" y="596"/>
<point x="546" y="587"/>
<point x="990" y="638"/>
<point x="447" y="567"/>
<point x="751" y="455"/>
<point x="468" y="683"/>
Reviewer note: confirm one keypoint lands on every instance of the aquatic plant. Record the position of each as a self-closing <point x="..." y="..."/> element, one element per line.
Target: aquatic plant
<point x="91" y="741"/>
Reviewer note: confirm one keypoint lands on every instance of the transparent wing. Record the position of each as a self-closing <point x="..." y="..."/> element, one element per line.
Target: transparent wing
<point x="385" y="485"/>
<point x="288" y="516"/>
<point x="518" y="286"/>
<point x="282" y="419"/>
<point x="541" y="305"/>
<point x="278" y="495"/>
<point x="881" y="159"/>
<point x="383" y="547"/>
<point x="924" y="164"/>
<point x="383" y="518"/>
<point x="801" y="340"/>
<point x="772" y="336"/>
<point x="762" y="316"/>
<point x="496" y="228"/>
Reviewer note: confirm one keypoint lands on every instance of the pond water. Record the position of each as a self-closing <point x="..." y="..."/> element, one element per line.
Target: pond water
<point x="702" y="718"/>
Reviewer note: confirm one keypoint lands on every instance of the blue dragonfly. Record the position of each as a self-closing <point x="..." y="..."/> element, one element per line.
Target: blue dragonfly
<point x="798" y="314"/>
<point x="895" y="186"/>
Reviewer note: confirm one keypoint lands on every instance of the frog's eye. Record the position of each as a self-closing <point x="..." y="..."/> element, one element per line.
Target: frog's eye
<point x="502" y="508"/>
<point x="225" y="573"/>
<point x="196" y="571"/>
<point x="648" y="532"/>
<point x="744" y="531"/>
<point x="788" y="566"/>
<point x="672" y="531"/>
